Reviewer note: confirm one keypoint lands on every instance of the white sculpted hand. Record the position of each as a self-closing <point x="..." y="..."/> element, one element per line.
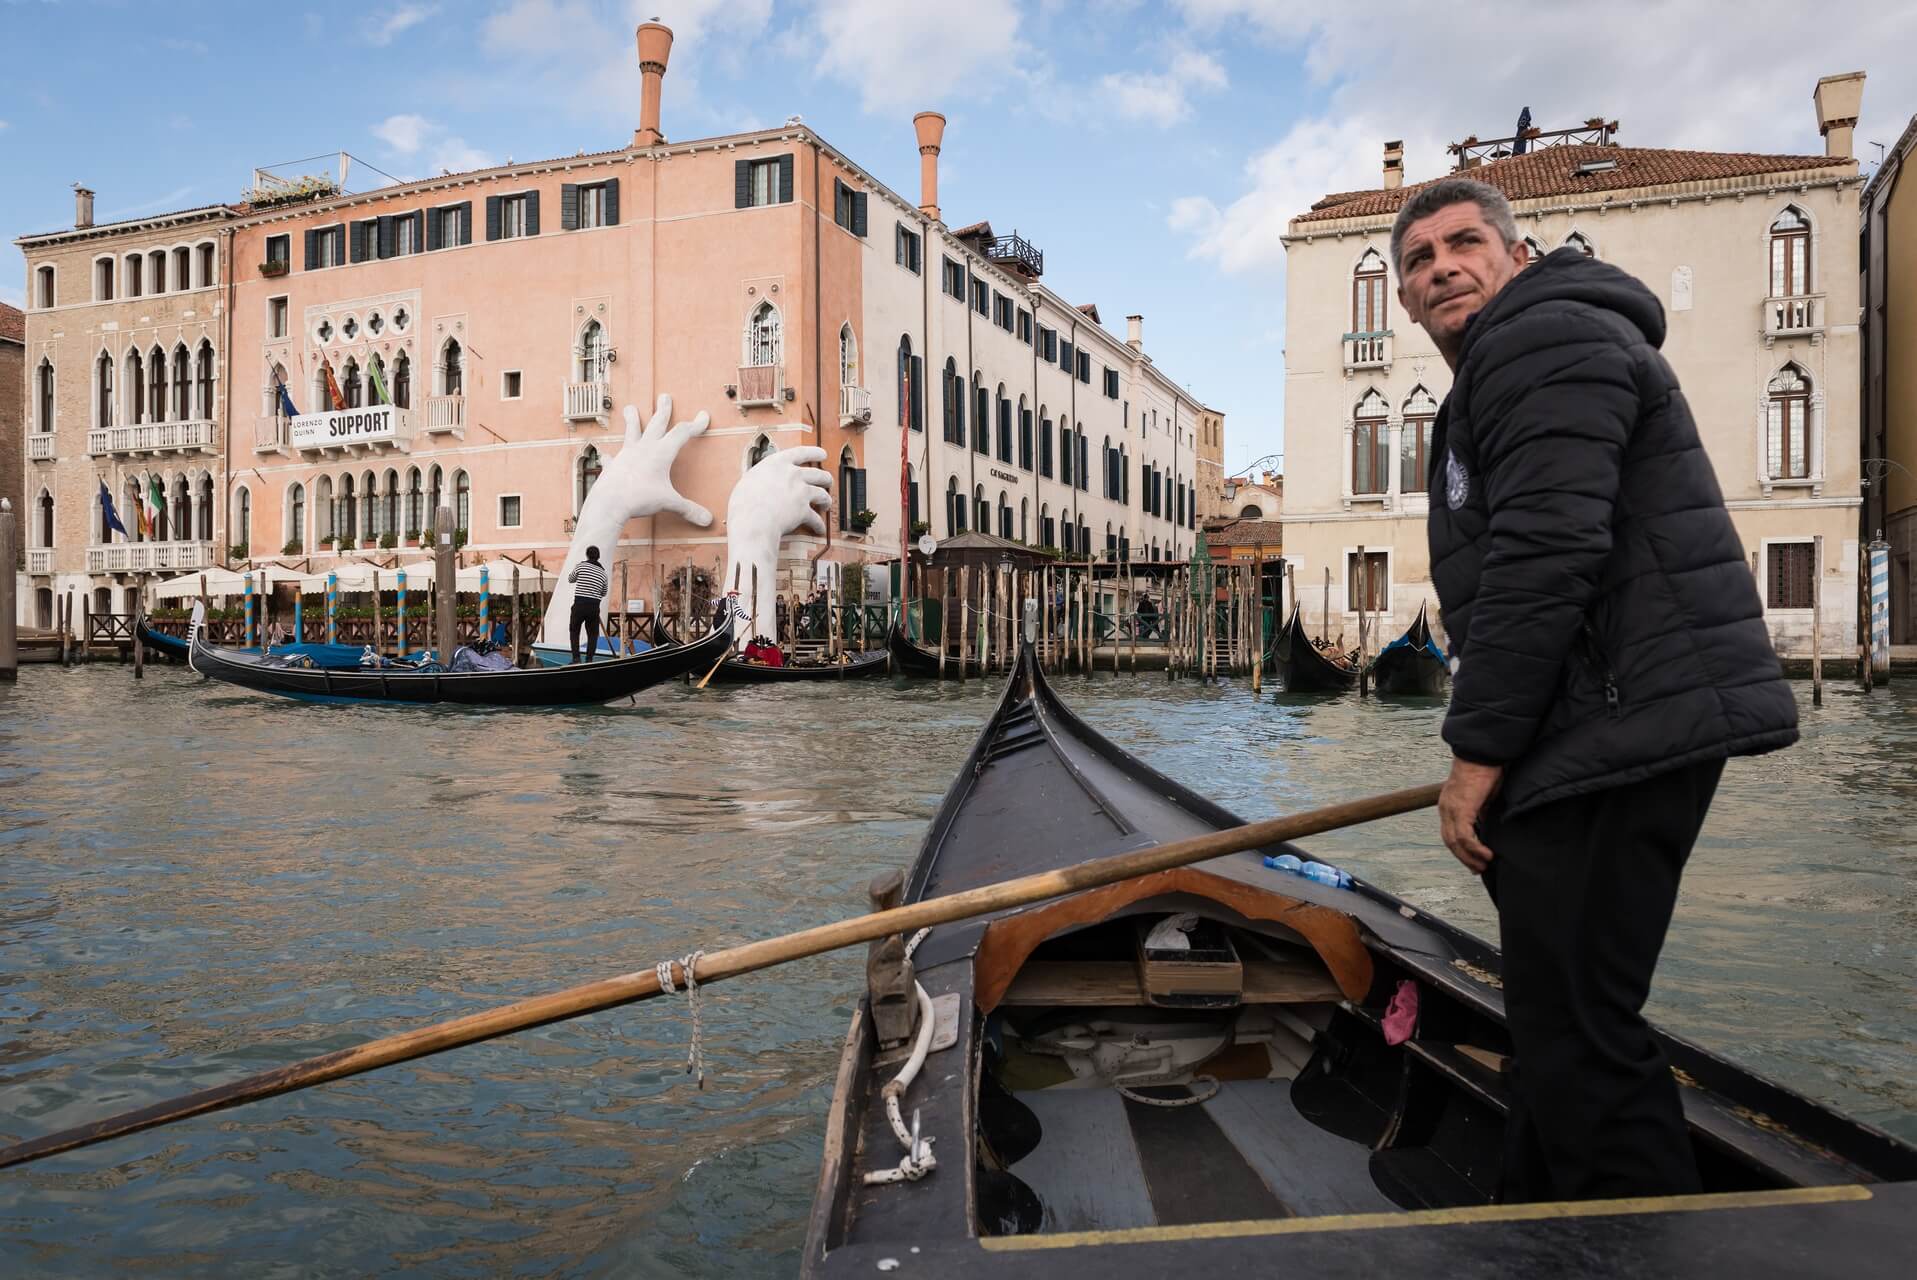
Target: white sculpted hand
<point x="783" y="493"/>
<point x="637" y="482"/>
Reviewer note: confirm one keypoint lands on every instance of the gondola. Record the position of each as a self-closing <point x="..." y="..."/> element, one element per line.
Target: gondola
<point x="333" y="657"/>
<point x="1411" y="664"/>
<point x="914" y="659"/>
<point x="1301" y="667"/>
<point x="588" y="682"/>
<point x="1233" y="1105"/>
<point x="858" y="667"/>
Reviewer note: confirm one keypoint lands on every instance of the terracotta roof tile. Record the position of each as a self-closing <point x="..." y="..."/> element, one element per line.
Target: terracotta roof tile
<point x="1552" y="173"/>
<point x="1248" y="533"/>
<point x="13" y="323"/>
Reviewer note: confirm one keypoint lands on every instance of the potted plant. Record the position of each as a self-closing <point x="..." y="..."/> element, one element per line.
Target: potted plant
<point x="921" y="527"/>
<point x="388" y="540"/>
<point x="292" y="547"/>
<point x="238" y="551"/>
<point x="329" y="541"/>
<point x="412" y="537"/>
<point x="459" y="538"/>
<point x="274" y="267"/>
<point x="863" y="520"/>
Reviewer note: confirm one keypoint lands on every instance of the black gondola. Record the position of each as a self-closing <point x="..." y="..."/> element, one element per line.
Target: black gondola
<point x="1413" y="663"/>
<point x="161" y="643"/>
<point x="334" y="657"/>
<point x="580" y="684"/>
<point x="1301" y="667"/>
<point x="860" y="666"/>
<point x="1233" y="1106"/>
<point x="914" y="659"/>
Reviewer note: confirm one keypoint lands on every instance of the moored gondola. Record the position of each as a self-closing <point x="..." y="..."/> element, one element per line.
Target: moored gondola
<point x="856" y="667"/>
<point x="914" y="659"/>
<point x="333" y="657"/>
<point x="1411" y="664"/>
<point x="1299" y="666"/>
<point x="585" y="683"/>
<point x="1201" y="1072"/>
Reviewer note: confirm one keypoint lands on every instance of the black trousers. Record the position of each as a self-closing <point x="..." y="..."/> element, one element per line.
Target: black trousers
<point x="1584" y="889"/>
<point x="585" y="613"/>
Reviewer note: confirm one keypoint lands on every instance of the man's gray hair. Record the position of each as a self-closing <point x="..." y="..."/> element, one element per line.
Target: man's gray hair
<point x="1444" y="193"/>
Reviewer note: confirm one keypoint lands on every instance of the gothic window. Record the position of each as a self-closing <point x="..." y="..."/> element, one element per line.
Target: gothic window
<point x="1790" y="254"/>
<point x="590" y="359"/>
<point x="1787" y="446"/>
<point x="762" y="337"/>
<point x="1368" y="294"/>
<point x="1414" y="449"/>
<point x="588" y="475"/>
<point x="1370" y="445"/>
<point x="452" y="372"/>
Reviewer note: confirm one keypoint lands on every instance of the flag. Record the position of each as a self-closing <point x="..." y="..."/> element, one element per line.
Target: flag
<point x="332" y="388"/>
<point x="376" y="382"/>
<point x="286" y="400"/>
<point x="109" y="518"/>
<point x="153" y="506"/>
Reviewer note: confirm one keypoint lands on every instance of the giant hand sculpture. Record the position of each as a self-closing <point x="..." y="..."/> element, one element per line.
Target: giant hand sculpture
<point x="638" y="482"/>
<point x="781" y="493"/>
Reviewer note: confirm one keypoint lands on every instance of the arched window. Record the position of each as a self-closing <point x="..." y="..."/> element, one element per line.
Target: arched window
<point x="981" y="511"/>
<point x="762" y="448"/>
<point x="762" y="337"/>
<point x="1111" y="542"/>
<point x="44" y="276"/>
<point x="1004" y="515"/>
<point x="133" y="495"/>
<point x="43" y="399"/>
<point x="589" y="358"/>
<point x="1787" y="446"/>
<point x="206" y="273"/>
<point x="389" y="499"/>
<point x="103" y="279"/>
<point x="1249" y="512"/>
<point x="848" y="357"/>
<point x="1044" y="443"/>
<point x="415" y="503"/>
<point x="156" y="271"/>
<point x="346" y="513"/>
<point x="911" y="395"/>
<point x="1368" y="294"/>
<point x="1579" y="241"/>
<point x="369" y="506"/>
<point x="203" y="510"/>
<point x="156" y="385"/>
<point x="295" y="519"/>
<point x="182" y="268"/>
<point x="349" y="385"/>
<point x="435" y="498"/>
<point x="462" y="501"/>
<point x="402" y="387"/>
<point x="43" y="523"/>
<point x="180" y="512"/>
<point x="135" y="412"/>
<point x="1024" y="519"/>
<point x="954" y="508"/>
<point x="981" y="416"/>
<point x="275" y="403"/>
<point x="130" y="275"/>
<point x="1370" y="445"/>
<point x="183" y="381"/>
<point x="1047" y="534"/>
<point x="243" y="521"/>
<point x="325" y="513"/>
<point x="1004" y="427"/>
<point x="1536" y="251"/>
<point x="1790" y="254"/>
<point x="1084" y="538"/>
<point x="452" y="369"/>
<point x="1414" y="448"/>
<point x="848" y="467"/>
<point x="953" y="404"/>
<point x="1065" y="452"/>
<point x="911" y="498"/>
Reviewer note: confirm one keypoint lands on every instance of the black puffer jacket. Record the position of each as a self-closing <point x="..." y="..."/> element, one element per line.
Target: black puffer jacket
<point x="1596" y="595"/>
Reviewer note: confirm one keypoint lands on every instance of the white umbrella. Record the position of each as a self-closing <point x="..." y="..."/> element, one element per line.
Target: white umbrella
<point x="219" y="582"/>
<point x="354" y="575"/>
<point x="499" y="579"/>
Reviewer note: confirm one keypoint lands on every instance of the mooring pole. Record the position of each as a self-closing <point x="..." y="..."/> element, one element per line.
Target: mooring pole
<point x="1817" y="621"/>
<point x="446" y="586"/>
<point x="9" y="633"/>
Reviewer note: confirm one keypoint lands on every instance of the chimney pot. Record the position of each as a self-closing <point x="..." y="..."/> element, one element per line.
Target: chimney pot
<point x="655" y="47"/>
<point x="930" y="127"/>
<point x="82" y="207"/>
<point x="1135" y="332"/>
<point x="1838" y="100"/>
<point x="1393" y="165"/>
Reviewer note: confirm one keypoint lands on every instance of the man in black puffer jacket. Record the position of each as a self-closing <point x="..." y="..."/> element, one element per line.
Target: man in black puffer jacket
<point x="1608" y="652"/>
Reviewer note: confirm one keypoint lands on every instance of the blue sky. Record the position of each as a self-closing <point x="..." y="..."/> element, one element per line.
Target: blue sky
<point x="1153" y="151"/>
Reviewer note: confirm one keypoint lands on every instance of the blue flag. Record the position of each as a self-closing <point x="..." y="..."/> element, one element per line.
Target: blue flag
<point x="286" y="401"/>
<point x="110" y="518"/>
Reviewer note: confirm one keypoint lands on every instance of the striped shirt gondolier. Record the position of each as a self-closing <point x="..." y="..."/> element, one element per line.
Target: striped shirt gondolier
<point x="590" y="578"/>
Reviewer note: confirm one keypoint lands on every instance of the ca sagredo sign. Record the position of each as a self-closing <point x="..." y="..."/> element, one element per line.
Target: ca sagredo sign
<point x="346" y="426"/>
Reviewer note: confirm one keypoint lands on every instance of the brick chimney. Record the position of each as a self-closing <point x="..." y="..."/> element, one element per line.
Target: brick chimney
<point x="930" y="126"/>
<point x="82" y="207"/>
<point x="1838" y="99"/>
<point x="1135" y="332"/>
<point x="655" y="46"/>
<point x="1394" y="165"/>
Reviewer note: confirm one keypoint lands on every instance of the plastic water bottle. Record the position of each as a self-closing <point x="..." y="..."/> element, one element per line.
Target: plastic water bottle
<point x="1330" y="877"/>
<point x="1284" y="862"/>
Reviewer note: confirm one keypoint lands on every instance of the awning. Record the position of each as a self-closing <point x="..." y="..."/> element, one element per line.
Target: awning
<point x="357" y="576"/>
<point x="499" y="578"/>
<point x="219" y="582"/>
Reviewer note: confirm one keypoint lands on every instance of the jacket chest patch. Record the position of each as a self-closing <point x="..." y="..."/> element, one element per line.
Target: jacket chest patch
<point x="1457" y="481"/>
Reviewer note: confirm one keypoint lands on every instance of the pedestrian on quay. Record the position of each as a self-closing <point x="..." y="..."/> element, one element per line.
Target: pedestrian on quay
<point x="590" y="585"/>
<point x="1608" y="654"/>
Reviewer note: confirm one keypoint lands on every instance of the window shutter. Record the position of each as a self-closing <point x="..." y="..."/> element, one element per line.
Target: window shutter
<point x="612" y="202"/>
<point x="858" y="491"/>
<point x="785" y="179"/>
<point x="388" y="237"/>
<point x="532" y="213"/>
<point x="312" y="249"/>
<point x="464" y="210"/>
<point x="858" y="213"/>
<point x="918" y="393"/>
<point x="435" y="229"/>
<point x="569" y="206"/>
<point x="492" y="217"/>
<point x="742" y="184"/>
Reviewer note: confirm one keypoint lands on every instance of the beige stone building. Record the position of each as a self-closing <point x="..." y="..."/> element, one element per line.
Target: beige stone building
<point x="1890" y="372"/>
<point x="1754" y="258"/>
<point x="1211" y="464"/>
<point x="125" y="385"/>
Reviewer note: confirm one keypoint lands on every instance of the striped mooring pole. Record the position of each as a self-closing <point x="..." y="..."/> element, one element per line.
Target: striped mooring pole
<point x="1880" y="608"/>
<point x="402" y="613"/>
<point x="485" y="603"/>
<point x="332" y="608"/>
<point x="248" y="643"/>
<point x="299" y="616"/>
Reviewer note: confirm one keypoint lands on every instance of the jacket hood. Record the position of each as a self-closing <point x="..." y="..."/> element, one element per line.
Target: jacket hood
<point x="1567" y="274"/>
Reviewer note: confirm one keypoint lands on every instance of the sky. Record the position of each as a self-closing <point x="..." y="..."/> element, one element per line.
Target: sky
<point x="1152" y="151"/>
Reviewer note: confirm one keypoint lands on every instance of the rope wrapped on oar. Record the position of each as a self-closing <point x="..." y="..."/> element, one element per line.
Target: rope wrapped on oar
<point x="717" y="966"/>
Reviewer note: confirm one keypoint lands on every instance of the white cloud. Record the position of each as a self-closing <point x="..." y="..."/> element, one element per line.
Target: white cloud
<point x="405" y="134"/>
<point x="1712" y="78"/>
<point x="453" y="154"/>
<point x="906" y="57"/>
<point x="1163" y="97"/>
<point x="399" y="21"/>
<point x="410" y="136"/>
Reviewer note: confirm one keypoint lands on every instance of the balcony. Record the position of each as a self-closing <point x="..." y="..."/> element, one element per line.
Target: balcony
<point x="855" y="407"/>
<point x="270" y="434"/>
<point x="446" y="415"/>
<point x="1794" y="317"/>
<point x="154" y="437"/>
<point x="1016" y="253"/>
<point x="40" y="446"/>
<point x="40" y="561"/>
<point x="149" y="557"/>
<point x="351" y="432"/>
<point x="761" y="384"/>
<point x="588" y="401"/>
<point x="1367" y="351"/>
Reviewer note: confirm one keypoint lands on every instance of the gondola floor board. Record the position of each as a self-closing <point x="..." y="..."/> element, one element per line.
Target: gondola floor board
<point x="1115" y="982"/>
<point x="1086" y="1170"/>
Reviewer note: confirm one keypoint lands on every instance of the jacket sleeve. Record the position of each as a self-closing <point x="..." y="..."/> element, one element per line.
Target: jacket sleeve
<point x="1551" y="424"/>
<point x="572" y="574"/>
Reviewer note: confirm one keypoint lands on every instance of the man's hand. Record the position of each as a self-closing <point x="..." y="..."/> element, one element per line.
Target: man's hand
<point x="1466" y="792"/>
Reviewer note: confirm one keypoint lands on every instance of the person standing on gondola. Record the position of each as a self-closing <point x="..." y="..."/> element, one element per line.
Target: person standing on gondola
<point x="590" y="585"/>
<point x="1608" y="654"/>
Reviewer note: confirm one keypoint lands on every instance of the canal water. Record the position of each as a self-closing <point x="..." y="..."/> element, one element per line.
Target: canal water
<point x="196" y="884"/>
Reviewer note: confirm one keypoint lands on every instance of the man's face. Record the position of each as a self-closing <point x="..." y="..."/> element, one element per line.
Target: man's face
<point x="1453" y="263"/>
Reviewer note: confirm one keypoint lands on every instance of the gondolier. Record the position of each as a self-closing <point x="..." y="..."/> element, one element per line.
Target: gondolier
<point x="1608" y="654"/>
<point x="589" y="594"/>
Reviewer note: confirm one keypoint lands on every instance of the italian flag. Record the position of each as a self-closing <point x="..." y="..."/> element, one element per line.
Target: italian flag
<point x="152" y="503"/>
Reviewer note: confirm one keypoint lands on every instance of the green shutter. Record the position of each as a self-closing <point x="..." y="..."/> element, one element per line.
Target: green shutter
<point x="464" y="209"/>
<point x="569" y="206"/>
<point x="492" y="218"/>
<point x="785" y="179"/>
<point x="435" y="229"/>
<point x="918" y="393"/>
<point x="858" y="213"/>
<point x="858" y="491"/>
<point x="312" y="249"/>
<point x="388" y="237"/>
<point x="612" y="202"/>
<point x="742" y="184"/>
<point x="532" y="213"/>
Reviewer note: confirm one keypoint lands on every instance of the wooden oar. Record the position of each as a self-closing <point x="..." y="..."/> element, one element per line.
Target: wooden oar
<point x="730" y="645"/>
<point x="716" y="966"/>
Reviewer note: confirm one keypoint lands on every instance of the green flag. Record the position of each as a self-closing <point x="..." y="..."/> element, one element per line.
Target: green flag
<point x="376" y="381"/>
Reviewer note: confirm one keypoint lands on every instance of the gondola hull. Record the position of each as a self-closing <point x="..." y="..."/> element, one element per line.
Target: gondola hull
<point x="1298" y="666"/>
<point x="1321" y="1147"/>
<point x="1412" y="665"/>
<point x="862" y="666"/>
<point x="585" y="684"/>
<point x="333" y="657"/>
<point x="911" y="658"/>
